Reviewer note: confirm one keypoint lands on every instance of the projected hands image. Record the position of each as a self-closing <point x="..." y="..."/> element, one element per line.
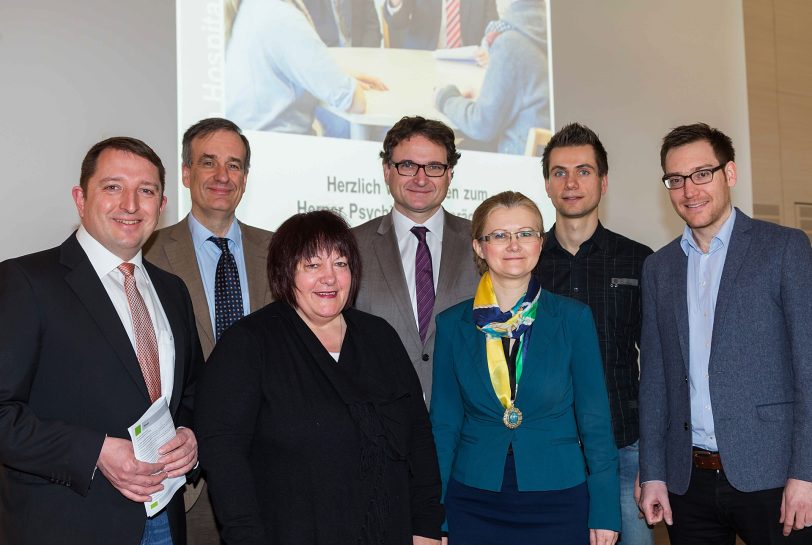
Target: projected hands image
<point x="352" y="68"/>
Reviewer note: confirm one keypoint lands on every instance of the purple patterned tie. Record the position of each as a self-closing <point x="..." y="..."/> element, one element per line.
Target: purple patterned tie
<point x="424" y="281"/>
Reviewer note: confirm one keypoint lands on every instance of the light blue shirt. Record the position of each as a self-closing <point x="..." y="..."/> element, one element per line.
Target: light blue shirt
<point x="704" y="276"/>
<point x="277" y="70"/>
<point x="208" y="254"/>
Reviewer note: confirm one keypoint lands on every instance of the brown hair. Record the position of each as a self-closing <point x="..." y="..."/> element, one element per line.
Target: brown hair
<point x="304" y="236"/>
<point x="506" y="199"/>
<point x="436" y="131"/>
<point x="688" y="134"/>
<point x="575" y="134"/>
<point x="120" y="143"/>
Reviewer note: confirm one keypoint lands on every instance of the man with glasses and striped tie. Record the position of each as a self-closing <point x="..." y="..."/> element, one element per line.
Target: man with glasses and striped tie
<point x="437" y="24"/>
<point x="417" y="258"/>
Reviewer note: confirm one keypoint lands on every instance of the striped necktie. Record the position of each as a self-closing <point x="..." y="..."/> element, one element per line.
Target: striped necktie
<point x="453" y="28"/>
<point x="424" y="281"/>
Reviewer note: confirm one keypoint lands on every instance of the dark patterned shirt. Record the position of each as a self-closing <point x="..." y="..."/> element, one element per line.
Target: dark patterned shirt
<point x="605" y="274"/>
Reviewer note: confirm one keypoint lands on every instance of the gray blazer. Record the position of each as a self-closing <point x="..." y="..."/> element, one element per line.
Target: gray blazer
<point x="172" y="250"/>
<point x="383" y="283"/>
<point x="760" y="363"/>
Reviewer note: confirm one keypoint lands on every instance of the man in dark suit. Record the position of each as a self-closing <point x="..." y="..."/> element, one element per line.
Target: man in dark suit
<point x="726" y="362"/>
<point x="90" y="336"/>
<point x="418" y="244"/>
<point x="216" y="157"/>
<point x="424" y="24"/>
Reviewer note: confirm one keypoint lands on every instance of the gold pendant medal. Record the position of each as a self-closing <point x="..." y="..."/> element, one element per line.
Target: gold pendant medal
<point x="512" y="418"/>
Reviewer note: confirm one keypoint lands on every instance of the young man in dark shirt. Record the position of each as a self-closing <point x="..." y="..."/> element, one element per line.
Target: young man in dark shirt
<point x="584" y="260"/>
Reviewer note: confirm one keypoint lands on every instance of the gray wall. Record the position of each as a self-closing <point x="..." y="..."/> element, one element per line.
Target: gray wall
<point x="74" y="73"/>
<point x="632" y="70"/>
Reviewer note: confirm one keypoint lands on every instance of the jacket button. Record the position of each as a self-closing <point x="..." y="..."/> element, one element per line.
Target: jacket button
<point x="425" y="357"/>
<point x="685" y="426"/>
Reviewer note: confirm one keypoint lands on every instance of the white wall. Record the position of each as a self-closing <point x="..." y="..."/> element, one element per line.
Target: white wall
<point x="634" y="69"/>
<point x="74" y="73"/>
<point x="77" y="72"/>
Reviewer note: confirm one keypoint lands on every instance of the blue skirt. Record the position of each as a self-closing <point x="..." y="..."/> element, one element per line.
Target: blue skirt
<point x="483" y="517"/>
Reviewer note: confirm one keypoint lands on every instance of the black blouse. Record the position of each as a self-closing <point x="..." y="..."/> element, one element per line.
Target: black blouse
<point x="301" y="449"/>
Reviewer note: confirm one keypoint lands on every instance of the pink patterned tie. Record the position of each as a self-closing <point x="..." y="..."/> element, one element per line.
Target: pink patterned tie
<point x="146" y="345"/>
<point x="453" y="29"/>
<point x="424" y="281"/>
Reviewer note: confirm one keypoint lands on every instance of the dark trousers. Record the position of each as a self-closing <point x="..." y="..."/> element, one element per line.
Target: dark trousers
<point x="712" y="512"/>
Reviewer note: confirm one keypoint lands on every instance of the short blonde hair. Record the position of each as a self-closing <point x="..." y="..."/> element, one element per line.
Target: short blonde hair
<point x="505" y="199"/>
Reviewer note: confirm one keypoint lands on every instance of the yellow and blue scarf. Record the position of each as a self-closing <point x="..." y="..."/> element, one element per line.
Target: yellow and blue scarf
<point x="496" y="325"/>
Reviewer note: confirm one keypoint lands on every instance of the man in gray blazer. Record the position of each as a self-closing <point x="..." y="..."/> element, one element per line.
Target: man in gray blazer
<point x="417" y="247"/>
<point x="726" y="362"/>
<point x="216" y="157"/>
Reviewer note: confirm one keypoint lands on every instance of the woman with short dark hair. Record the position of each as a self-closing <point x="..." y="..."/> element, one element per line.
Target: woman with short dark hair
<point x="309" y="414"/>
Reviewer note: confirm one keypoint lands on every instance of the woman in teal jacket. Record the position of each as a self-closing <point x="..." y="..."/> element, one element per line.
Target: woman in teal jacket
<point x="519" y="406"/>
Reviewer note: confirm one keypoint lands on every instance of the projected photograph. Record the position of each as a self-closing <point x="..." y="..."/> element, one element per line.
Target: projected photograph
<point x="351" y="68"/>
<point x="316" y="84"/>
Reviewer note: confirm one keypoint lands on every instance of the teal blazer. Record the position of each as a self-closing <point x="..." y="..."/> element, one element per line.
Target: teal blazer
<point x="566" y="434"/>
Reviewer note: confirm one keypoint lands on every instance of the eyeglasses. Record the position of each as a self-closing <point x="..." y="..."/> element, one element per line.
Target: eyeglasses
<point x="703" y="176"/>
<point x="410" y="168"/>
<point x="502" y="238"/>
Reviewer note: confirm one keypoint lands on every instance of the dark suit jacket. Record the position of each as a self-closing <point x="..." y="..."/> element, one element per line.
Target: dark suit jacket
<point x="68" y="377"/>
<point x="760" y="362"/>
<point x="283" y="446"/>
<point x="383" y="283"/>
<point x="566" y="433"/>
<point x="172" y="249"/>
<point x="417" y="24"/>
<point x="359" y="17"/>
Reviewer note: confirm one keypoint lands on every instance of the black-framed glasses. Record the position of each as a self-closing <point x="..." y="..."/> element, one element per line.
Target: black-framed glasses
<point x="410" y="168"/>
<point x="502" y="238"/>
<point x="701" y="176"/>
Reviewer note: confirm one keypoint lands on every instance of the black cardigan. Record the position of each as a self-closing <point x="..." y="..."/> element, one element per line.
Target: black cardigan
<point x="299" y="449"/>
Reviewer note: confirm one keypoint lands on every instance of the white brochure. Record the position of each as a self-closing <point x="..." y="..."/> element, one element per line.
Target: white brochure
<point x="152" y="431"/>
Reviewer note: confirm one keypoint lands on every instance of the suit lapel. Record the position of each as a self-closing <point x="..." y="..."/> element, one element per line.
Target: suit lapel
<point x="739" y="245"/>
<point x="544" y="334"/>
<point x="387" y="253"/>
<point x="474" y="341"/>
<point x="180" y="253"/>
<point x="456" y="248"/>
<point x="84" y="281"/>
<point x="174" y="314"/>
<point x="255" y="268"/>
<point x="678" y="282"/>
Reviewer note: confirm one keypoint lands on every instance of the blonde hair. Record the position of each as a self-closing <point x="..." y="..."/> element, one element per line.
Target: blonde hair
<point x="506" y="199"/>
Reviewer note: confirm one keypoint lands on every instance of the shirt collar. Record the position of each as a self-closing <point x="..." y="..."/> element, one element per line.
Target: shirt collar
<point x="103" y="260"/>
<point x="201" y="234"/>
<point x="596" y="241"/>
<point x="720" y="240"/>
<point x="403" y="224"/>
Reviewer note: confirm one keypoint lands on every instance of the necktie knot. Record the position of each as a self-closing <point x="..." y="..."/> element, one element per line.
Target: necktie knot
<point x="220" y="242"/>
<point x="420" y="232"/>
<point x="127" y="269"/>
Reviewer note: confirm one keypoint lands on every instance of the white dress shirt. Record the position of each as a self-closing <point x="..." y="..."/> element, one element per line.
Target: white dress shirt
<point x="105" y="263"/>
<point x="407" y="243"/>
